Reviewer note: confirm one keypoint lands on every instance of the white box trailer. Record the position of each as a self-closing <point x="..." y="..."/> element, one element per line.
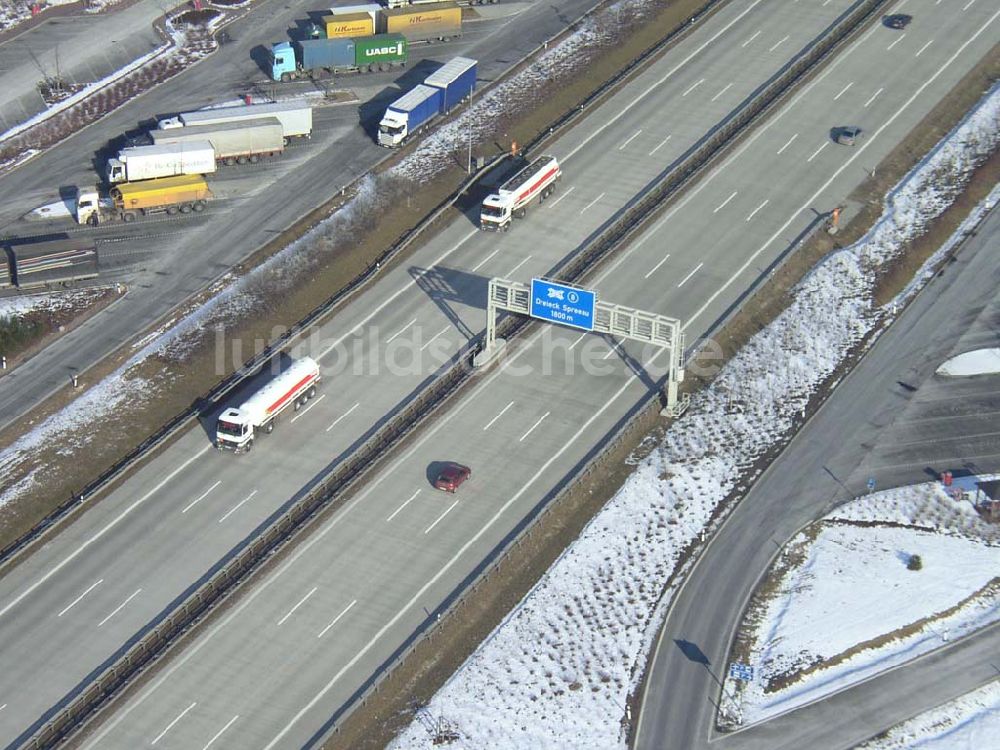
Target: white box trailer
<point x="537" y="180"/>
<point x="167" y="160"/>
<point x="237" y="428"/>
<point x="234" y="142"/>
<point x="295" y="116"/>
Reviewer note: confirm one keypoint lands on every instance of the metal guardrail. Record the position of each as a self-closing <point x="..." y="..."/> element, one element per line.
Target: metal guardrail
<point x="297" y="518"/>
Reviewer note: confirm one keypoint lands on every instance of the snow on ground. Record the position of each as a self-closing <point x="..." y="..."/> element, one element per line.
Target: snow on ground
<point x="971" y="722"/>
<point x="851" y="585"/>
<point x="15" y="12"/>
<point x="52" y="301"/>
<point x="978" y="362"/>
<point x="558" y="672"/>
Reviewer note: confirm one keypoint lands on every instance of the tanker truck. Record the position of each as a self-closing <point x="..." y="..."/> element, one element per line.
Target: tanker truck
<point x="237" y="427"/>
<point x="537" y="180"/>
<point x="129" y="200"/>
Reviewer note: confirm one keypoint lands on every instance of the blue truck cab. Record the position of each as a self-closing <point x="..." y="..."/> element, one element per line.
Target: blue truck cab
<point x="282" y="60"/>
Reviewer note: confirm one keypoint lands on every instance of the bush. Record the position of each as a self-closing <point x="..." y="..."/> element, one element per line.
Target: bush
<point x="915" y="563"/>
<point x="15" y="333"/>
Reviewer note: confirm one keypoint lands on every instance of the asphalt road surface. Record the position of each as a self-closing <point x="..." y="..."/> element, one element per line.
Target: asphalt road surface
<point x="892" y="420"/>
<point x="289" y="656"/>
<point x="174" y="259"/>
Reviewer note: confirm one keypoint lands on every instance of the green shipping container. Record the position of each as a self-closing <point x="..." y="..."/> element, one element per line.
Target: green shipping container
<point x="380" y="49"/>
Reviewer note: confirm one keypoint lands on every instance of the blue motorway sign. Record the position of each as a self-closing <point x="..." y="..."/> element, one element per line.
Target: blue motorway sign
<point x="563" y="304"/>
<point x="743" y="672"/>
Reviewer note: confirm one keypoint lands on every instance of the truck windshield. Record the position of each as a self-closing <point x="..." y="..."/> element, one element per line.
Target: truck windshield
<point x="230" y="428"/>
<point x="391" y="130"/>
<point x="492" y="212"/>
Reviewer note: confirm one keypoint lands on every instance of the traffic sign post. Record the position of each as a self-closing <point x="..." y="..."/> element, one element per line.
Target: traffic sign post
<point x="562" y="304"/>
<point x="741" y="672"/>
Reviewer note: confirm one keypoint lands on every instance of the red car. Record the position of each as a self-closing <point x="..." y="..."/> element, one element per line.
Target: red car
<point x="450" y="478"/>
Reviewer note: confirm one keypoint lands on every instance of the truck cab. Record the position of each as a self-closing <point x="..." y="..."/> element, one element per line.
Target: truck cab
<point x="392" y="129"/>
<point x="234" y="431"/>
<point x="495" y="213"/>
<point x="88" y="207"/>
<point x="116" y="171"/>
<point x="282" y="61"/>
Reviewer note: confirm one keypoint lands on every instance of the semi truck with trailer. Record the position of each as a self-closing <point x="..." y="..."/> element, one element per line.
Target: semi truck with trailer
<point x="237" y="428"/>
<point x="130" y="200"/>
<point x="440" y="92"/>
<point x="35" y="264"/>
<point x="316" y="58"/>
<point x="295" y="116"/>
<point x="537" y="180"/>
<point x="241" y="142"/>
<point x="425" y="23"/>
<point x="166" y="160"/>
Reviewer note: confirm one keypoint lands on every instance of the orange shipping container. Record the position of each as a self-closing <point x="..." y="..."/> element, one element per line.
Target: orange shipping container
<point x="348" y="25"/>
<point x="418" y="22"/>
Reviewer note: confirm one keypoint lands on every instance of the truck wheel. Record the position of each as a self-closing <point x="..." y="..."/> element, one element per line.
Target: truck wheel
<point x="254" y="158"/>
<point x="229" y="161"/>
<point x="285" y="78"/>
<point x="249" y="445"/>
<point x="128" y="216"/>
<point x="269" y="427"/>
<point x="520" y="213"/>
<point x="298" y="404"/>
<point x="186" y="208"/>
<point x="241" y="160"/>
<point x="312" y="392"/>
<point x="172" y="210"/>
<point x="198" y="206"/>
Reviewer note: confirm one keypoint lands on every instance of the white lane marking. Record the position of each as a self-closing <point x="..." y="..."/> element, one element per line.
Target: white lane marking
<point x="788" y="143"/>
<point x="392" y="297"/>
<point x="755" y="35"/>
<point x="816" y="152"/>
<point x="578" y="340"/>
<point x="342" y="416"/>
<point x="118" y="609"/>
<point x="401" y="331"/>
<point x="630" y="139"/>
<point x="919" y="51"/>
<point x="778" y="44"/>
<point x="825" y="3"/>
<point x="201" y="497"/>
<point x="219" y="733"/>
<point x="114" y="522"/>
<point x="237" y="506"/>
<point x="334" y="622"/>
<point x="485" y="260"/>
<point x="303" y="412"/>
<point x="660" y="145"/>
<point x="439" y="518"/>
<point x="669" y="74"/>
<point x="402" y="506"/>
<point x="895" y="41"/>
<point x="502" y="412"/>
<point x="872" y="97"/>
<point x="301" y="602"/>
<point x="754" y="212"/>
<point x="968" y="5"/>
<point x="171" y="724"/>
<point x="843" y="91"/>
<point x="511" y="271"/>
<point x="724" y="90"/>
<point x="434" y="337"/>
<point x="687" y="278"/>
<point x="656" y="268"/>
<point x="865" y="144"/>
<point x="585" y="208"/>
<point x="561" y="196"/>
<point x="532" y="428"/>
<point x="77" y="600"/>
<point x="3" y="707"/>
<point x="693" y="86"/>
<point x="723" y="204"/>
<point x="611" y="352"/>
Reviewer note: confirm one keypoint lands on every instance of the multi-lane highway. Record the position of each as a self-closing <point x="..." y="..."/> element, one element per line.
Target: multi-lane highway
<point x="893" y="420"/>
<point x="292" y="653"/>
<point x="177" y="258"/>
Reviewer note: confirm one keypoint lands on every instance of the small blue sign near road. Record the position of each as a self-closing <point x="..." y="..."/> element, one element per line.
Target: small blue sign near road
<point x="871" y="484"/>
<point x="563" y="304"/>
<point x="743" y="672"/>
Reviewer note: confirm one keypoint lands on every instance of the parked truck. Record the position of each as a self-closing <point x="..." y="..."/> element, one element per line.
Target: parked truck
<point x="440" y="92"/>
<point x="425" y="23"/>
<point x="32" y="264"/>
<point x="129" y="200"/>
<point x="295" y="116"/>
<point x="315" y="58"/>
<point x="241" y="142"/>
<point x="237" y="427"/>
<point x="536" y="180"/>
<point x="167" y="160"/>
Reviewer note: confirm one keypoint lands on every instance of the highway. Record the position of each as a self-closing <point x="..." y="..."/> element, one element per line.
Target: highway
<point x="176" y="259"/>
<point x="894" y="421"/>
<point x="398" y="550"/>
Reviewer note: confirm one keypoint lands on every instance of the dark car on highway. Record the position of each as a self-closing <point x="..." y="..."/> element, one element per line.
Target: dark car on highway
<point x="451" y="477"/>
<point x="897" y="21"/>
